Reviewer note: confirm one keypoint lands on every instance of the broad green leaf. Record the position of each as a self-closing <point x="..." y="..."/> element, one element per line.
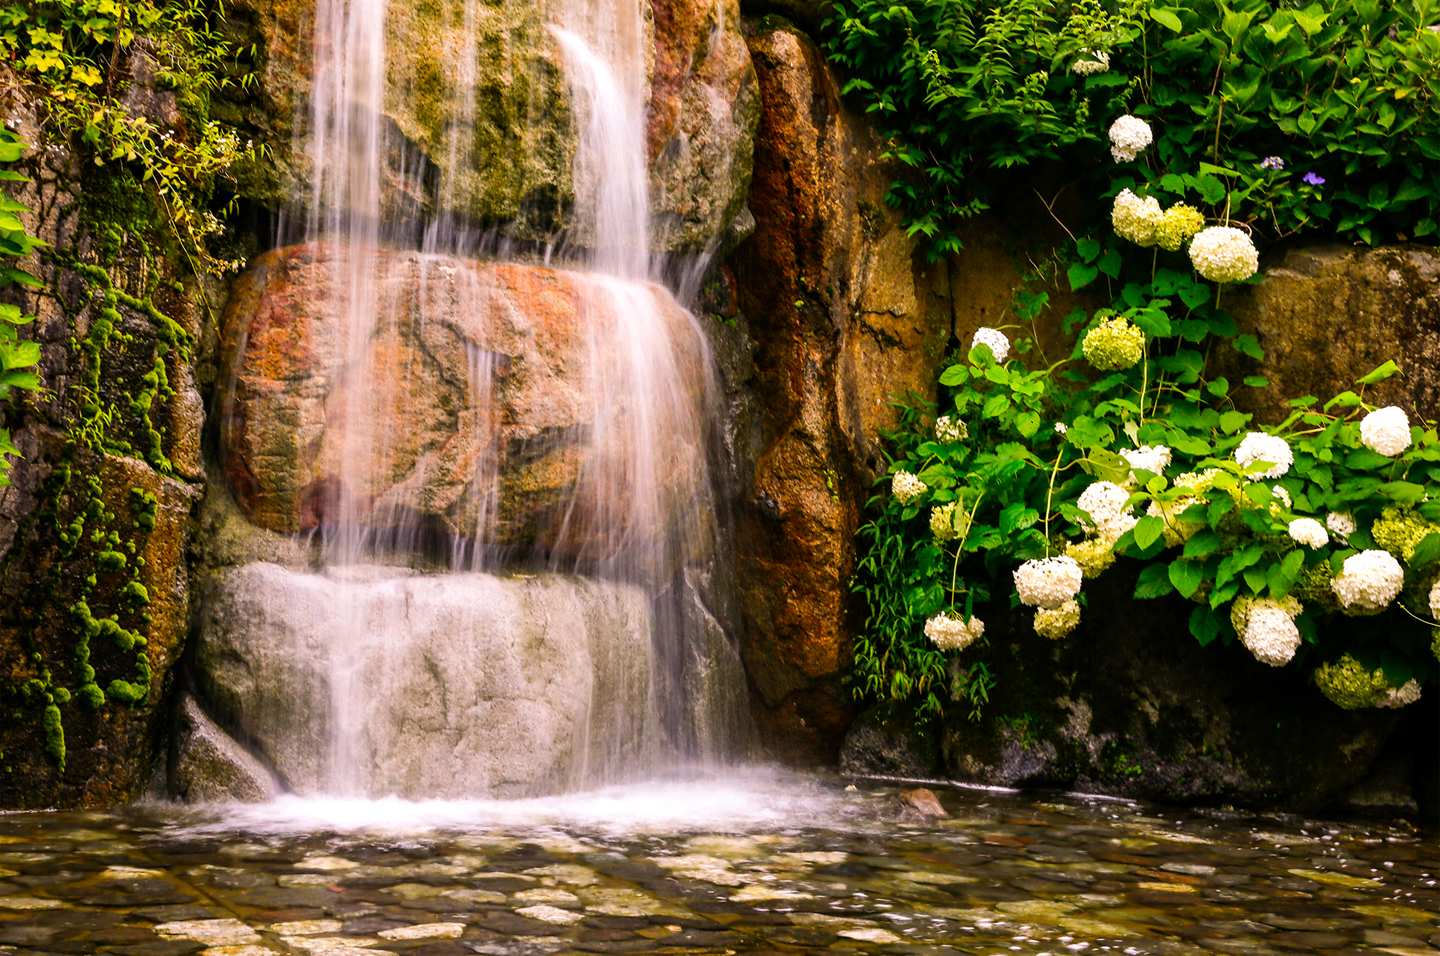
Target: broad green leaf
<point x="1081" y="275"/>
<point x="1166" y="18"/>
<point x="1148" y="530"/>
<point x="1187" y="576"/>
<point x="1426" y="552"/>
<point x="1202" y="544"/>
<point x="1154" y="582"/>
<point x="1205" y="624"/>
<point x="954" y="375"/>
<point x="1380" y="374"/>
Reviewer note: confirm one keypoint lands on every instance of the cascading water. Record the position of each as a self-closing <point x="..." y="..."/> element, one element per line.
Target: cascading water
<point x="453" y="682"/>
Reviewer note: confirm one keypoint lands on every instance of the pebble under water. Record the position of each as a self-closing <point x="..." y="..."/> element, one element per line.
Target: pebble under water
<point x="760" y="863"/>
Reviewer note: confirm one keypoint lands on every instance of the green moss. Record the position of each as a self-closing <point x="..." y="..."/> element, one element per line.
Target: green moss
<point x="54" y="735"/>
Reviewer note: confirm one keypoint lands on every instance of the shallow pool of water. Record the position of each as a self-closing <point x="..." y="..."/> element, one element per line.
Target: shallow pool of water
<point x="757" y="862"/>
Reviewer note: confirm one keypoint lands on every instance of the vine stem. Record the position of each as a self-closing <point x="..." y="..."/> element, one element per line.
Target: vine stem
<point x="1050" y="492"/>
<point x="960" y="548"/>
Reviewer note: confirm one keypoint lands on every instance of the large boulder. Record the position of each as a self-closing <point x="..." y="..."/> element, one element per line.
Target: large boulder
<point x="845" y="314"/>
<point x="474" y="405"/>
<point x="501" y="135"/>
<point x="1328" y="314"/>
<point x="378" y="681"/>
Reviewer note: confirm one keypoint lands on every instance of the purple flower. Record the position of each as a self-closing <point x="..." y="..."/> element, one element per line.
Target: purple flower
<point x="1272" y="162"/>
<point x="1314" y="179"/>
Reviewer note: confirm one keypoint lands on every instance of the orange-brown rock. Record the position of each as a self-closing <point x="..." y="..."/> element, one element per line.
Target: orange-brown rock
<point x="469" y="406"/>
<point x="845" y="314"/>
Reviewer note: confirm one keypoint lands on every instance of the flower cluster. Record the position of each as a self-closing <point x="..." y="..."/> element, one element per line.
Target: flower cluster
<point x="999" y="344"/>
<point x="1368" y="581"/>
<point x="1091" y="63"/>
<point x="1399" y="530"/>
<point x="1267" y="627"/>
<point x="1152" y="458"/>
<point x="1224" y="254"/>
<point x="1129" y="136"/>
<point x="1272" y="162"/>
<point x="1309" y="532"/>
<point x="1136" y="219"/>
<point x="1402" y="696"/>
<point x="947" y="522"/>
<point x="950" y="632"/>
<point x="949" y="429"/>
<point x="1351" y="685"/>
<point x="1114" y="344"/>
<point x="1106" y="504"/>
<point x="1178" y="226"/>
<point x="1386" y="431"/>
<point x="1258" y="446"/>
<point x="1048" y="582"/>
<point x="1340" y="523"/>
<point x="1056" y="623"/>
<point x="1435" y="599"/>
<point x="1094" y="555"/>
<point x="905" y="486"/>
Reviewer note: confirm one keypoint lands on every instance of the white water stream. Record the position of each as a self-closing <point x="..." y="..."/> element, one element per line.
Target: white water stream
<point x="466" y="684"/>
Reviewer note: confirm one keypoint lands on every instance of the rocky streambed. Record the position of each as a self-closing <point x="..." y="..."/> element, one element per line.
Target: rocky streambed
<point x="757" y="864"/>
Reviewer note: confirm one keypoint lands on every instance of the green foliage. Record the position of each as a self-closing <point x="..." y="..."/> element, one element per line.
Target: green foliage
<point x="1344" y="91"/>
<point x="17" y="358"/>
<point x="74" y="54"/>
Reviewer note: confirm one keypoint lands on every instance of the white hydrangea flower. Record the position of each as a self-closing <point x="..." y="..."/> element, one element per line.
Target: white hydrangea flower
<point x="905" y="486"/>
<point x="1309" y="532"/>
<point x="1136" y="219"/>
<point x="1386" y="430"/>
<point x="1048" y="582"/>
<point x="1057" y="622"/>
<point x="1283" y="497"/>
<point x="999" y="344"/>
<point x="1341" y="523"/>
<point x="949" y="632"/>
<point x="942" y="522"/>
<point x="951" y="429"/>
<point x="1061" y="428"/>
<point x="1104" y="502"/>
<point x="1090" y="63"/>
<point x="1435" y="599"/>
<point x="1197" y="483"/>
<point x="1224" y="254"/>
<point x="1271" y="635"/>
<point x="1129" y="135"/>
<point x="1258" y="446"/>
<point x="1368" y="581"/>
<point x="1152" y="458"/>
<point x="1402" y="696"/>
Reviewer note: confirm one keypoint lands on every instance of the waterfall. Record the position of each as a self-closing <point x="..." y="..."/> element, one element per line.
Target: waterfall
<point x="385" y="673"/>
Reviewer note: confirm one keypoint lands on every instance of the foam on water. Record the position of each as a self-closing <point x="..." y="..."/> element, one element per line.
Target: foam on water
<point x="741" y="801"/>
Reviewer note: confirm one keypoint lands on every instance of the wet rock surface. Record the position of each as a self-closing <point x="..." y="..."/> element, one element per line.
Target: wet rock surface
<point x="469" y="409"/>
<point x="845" y="315"/>
<point x="1001" y="874"/>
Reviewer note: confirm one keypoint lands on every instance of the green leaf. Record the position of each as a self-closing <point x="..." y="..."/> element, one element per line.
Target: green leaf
<point x="1027" y="423"/>
<point x="1148" y="530"/>
<point x="1187" y="576"/>
<point x="1165" y="16"/>
<point x="1017" y="517"/>
<point x="1081" y="275"/>
<point x="1088" y="249"/>
<point x="995" y="406"/>
<point x="954" y="375"/>
<point x="1426" y="552"/>
<point x="1202" y="544"/>
<point x="1405" y="492"/>
<point x="1232" y="421"/>
<point x="1380" y="374"/>
<point x="1205" y="625"/>
<point x="1154" y="582"/>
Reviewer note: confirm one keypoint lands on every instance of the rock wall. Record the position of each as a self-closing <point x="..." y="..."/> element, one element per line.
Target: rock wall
<point x="94" y="528"/>
<point x="844" y="318"/>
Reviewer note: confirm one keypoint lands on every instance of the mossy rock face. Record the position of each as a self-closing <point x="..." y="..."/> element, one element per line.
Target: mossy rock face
<point x="1328" y="314"/>
<point x="1130" y="704"/>
<point x="94" y="529"/>
<point x="502" y="154"/>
